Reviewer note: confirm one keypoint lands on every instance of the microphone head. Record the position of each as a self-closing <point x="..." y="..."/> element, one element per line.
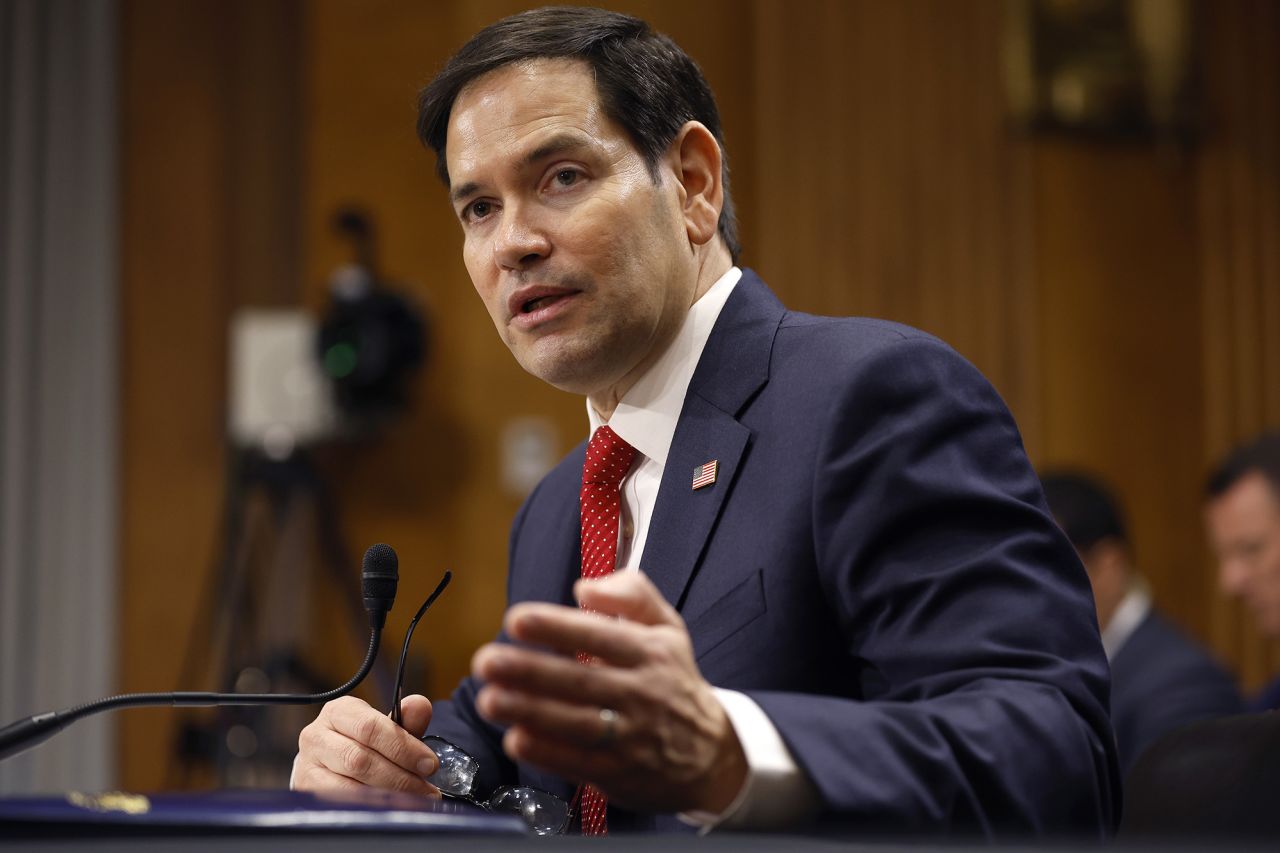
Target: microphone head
<point x="379" y="575"/>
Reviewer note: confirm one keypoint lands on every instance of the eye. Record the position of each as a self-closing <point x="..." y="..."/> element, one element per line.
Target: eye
<point x="478" y="209"/>
<point x="567" y="177"/>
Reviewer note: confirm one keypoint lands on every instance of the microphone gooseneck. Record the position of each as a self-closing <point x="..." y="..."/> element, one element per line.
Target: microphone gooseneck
<point x="379" y="576"/>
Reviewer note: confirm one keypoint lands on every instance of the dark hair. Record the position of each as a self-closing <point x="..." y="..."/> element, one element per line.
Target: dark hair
<point x="646" y="83"/>
<point x="1262" y="454"/>
<point x="1084" y="509"/>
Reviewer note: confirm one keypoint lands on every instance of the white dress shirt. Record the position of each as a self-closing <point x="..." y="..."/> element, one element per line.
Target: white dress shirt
<point x="777" y="791"/>
<point x="1133" y="608"/>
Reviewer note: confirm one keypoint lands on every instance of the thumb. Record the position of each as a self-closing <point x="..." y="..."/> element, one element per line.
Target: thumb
<point x="629" y="595"/>
<point x="416" y="713"/>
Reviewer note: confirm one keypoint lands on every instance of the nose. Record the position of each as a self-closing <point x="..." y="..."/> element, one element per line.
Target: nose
<point x="1233" y="577"/>
<point x="520" y="241"/>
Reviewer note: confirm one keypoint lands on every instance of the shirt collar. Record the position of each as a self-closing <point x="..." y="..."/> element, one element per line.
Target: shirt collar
<point x="646" y="415"/>
<point x="1133" y="608"/>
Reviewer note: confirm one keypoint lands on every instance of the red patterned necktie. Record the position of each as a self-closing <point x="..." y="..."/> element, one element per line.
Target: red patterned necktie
<point x="608" y="460"/>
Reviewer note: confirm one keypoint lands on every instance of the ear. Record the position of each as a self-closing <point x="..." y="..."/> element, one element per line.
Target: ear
<point x="1107" y="562"/>
<point x="695" y="159"/>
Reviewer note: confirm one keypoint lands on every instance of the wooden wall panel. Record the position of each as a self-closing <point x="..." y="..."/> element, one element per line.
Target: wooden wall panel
<point x="173" y="272"/>
<point x="888" y="183"/>
<point x="1239" y="222"/>
<point x="1120" y="384"/>
<point x="208" y="212"/>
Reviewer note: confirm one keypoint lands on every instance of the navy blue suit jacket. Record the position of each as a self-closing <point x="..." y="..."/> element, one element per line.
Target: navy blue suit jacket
<point x="875" y="567"/>
<point x="1162" y="681"/>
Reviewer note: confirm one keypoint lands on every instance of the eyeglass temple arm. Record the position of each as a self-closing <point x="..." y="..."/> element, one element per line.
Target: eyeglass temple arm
<point x="396" y="716"/>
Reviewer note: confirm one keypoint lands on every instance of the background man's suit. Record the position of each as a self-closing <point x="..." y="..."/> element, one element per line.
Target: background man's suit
<point x="1212" y="782"/>
<point x="874" y="566"/>
<point x="1160" y="682"/>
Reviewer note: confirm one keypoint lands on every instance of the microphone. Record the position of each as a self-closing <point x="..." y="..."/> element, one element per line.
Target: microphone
<point x="379" y="576"/>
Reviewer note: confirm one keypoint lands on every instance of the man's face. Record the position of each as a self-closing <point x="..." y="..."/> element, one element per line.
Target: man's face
<point x="1244" y="530"/>
<point x="581" y="258"/>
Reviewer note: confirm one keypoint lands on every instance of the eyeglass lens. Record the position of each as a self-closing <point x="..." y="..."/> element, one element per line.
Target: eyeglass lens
<point x="544" y="813"/>
<point x="457" y="772"/>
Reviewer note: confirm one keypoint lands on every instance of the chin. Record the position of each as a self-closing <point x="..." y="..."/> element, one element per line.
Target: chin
<point x="574" y="369"/>
<point x="566" y="374"/>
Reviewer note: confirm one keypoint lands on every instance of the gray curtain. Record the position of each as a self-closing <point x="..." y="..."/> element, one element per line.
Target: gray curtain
<point x="58" y="381"/>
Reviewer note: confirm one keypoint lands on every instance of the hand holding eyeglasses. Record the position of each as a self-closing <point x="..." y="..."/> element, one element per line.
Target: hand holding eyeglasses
<point x="640" y="722"/>
<point x="351" y="745"/>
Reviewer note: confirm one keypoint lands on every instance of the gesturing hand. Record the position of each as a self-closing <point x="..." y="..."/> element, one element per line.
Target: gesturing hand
<point x="668" y="744"/>
<point x="351" y="745"/>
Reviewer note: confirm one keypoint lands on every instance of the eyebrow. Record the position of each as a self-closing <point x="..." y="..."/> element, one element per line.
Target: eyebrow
<point x="557" y="144"/>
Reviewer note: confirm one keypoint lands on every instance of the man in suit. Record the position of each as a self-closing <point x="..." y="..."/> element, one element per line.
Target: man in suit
<point x="1161" y="680"/>
<point x="1242" y="513"/>
<point x="838" y="593"/>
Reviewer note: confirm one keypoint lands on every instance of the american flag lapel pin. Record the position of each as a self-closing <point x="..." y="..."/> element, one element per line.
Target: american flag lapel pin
<point x="705" y="474"/>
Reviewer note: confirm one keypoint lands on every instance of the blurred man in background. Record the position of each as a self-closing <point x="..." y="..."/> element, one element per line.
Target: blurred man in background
<point x="1160" y="678"/>
<point x="1242" y="513"/>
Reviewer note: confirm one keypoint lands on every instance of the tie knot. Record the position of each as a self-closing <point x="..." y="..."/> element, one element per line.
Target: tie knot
<point x="608" y="458"/>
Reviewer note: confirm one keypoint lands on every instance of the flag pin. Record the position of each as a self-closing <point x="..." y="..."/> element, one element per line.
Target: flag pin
<point x="705" y="474"/>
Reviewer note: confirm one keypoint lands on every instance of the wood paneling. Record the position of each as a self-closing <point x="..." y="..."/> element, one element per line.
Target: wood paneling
<point x="1120" y="384"/>
<point x="209" y="210"/>
<point x="888" y="183"/>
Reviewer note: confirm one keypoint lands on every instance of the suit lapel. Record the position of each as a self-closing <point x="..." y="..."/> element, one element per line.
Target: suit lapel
<point x="733" y="367"/>
<point x="549" y="538"/>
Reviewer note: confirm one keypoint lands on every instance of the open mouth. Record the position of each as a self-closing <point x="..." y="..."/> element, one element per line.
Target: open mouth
<point x="534" y="305"/>
<point x="541" y="302"/>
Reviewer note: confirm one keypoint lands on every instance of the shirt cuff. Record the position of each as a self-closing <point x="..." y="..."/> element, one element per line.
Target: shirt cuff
<point x="776" y="793"/>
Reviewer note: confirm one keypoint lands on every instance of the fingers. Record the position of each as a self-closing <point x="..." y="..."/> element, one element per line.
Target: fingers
<point x="550" y="676"/>
<point x="630" y="595"/>
<point x="337" y="762"/>
<point x="569" y="630"/>
<point x="352" y="741"/>
<point x="573" y="723"/>
<point x="563" y="758"/>
<point x="416" y="711"/>
<point x="320" y="779"/>
<point x="358" y="722"/>
<point x="668" y="744"/>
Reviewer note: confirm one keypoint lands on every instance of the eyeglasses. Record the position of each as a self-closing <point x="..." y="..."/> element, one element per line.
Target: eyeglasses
<point x="544" y="813"/>
<point x="398" y="693"/>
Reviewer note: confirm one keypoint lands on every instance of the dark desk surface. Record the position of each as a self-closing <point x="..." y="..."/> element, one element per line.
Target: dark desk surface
<point x="273" y="821"/>
<point x="341" y="842"/>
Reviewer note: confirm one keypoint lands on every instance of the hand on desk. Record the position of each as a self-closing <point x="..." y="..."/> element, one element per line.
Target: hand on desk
<point x="351" y="745"/>
<point x="668" y="745"/>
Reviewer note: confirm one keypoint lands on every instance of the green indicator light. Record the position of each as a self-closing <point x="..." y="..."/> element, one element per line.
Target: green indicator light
<point x="340" y="360"/>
